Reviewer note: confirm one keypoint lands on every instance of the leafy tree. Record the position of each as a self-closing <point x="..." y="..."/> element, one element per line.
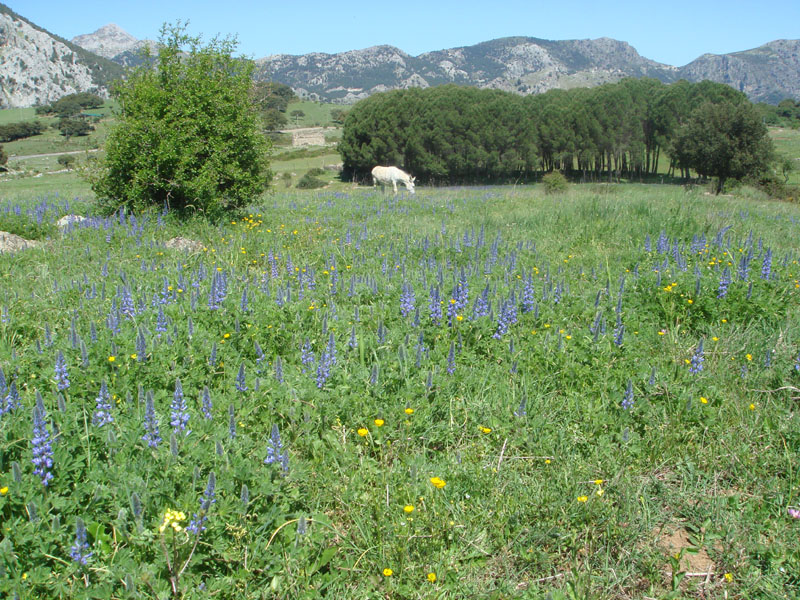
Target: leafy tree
<point x="21" y="130"/>
<point x="725" y="140"/>
<point x="338" y="116"/>
<point x="3" y="159"/>
<point x="273" y="119"/>
<point x="269" y="95"/>
<point x="72" y="127"/>
<point x="297" y="114"/>
<point x="187" y="134"/>
<point x="66" y="160"/>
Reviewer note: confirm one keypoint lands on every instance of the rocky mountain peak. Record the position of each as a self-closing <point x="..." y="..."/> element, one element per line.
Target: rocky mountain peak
<point x="108" y="41"/>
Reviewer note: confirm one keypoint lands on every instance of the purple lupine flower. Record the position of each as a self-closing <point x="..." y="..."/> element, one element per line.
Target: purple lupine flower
<point x="179" y="415"/>
<point x="451" y="359"/>
<point x="627" y="400"/>
<point x="330" y="351"/>
<point x="279" y="369"/>
<point x="724" y="282"/>
<point x="127" y="307"/>
<point x="198" y="522"/>
<point x="212" y="359"/>
<point x="521" y="410"/>
<point x="11" y="399"/>
<point x="619" y="334"/>
<point x="206" y="404"/>
<point x="482" y="305"/>
<point x="243" y="303"/>
<point x="62" y="377"/>
<point x="141" y="347"/>
<point x="102" y="412"/>
<point x="434" y="304"/>
<point x="766" y="264"/>
<point x="151" y="433"/>
<point x="275" y="451"/>
<point x="306" y="355"/>
<point x="161" y="321"/>
<point x="797" y="364"/>
<point x="528" y="295"/>
<point x="696" y="362"/>
<point x="353" y="341"/>
<point x="323" y="369"/>
<point x="40" y="443"/>
<point x="260" y="356"/>
<point x="79" y="552"/>
<point x="241" y="385"/>
<point x="231" y="422"/>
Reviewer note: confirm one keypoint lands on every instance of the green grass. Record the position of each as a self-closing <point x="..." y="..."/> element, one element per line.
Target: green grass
<point x="317" y="114"/>
<point x="573" y="496"/>
<point x="787" y="143"/>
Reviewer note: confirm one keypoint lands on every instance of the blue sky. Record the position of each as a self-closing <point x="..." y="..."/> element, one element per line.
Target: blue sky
<point x="674" y="32"/>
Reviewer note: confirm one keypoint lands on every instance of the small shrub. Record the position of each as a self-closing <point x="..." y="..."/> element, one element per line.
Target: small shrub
<point x="309" y="182"/>
<point x="287" y="178"/>
<point x="66" y="160"/>
<point x="315" y="172"/>
<point x="554" y="183"/>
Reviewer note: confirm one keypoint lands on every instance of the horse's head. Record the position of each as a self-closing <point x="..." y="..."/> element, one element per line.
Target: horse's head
<point x="410" y="184"/>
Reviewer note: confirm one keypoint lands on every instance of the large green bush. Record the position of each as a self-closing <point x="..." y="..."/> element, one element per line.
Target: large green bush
<point x="187" y="133"/>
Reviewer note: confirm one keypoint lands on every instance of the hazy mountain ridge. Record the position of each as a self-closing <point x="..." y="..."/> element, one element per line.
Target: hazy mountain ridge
<point x="38" y="67"/>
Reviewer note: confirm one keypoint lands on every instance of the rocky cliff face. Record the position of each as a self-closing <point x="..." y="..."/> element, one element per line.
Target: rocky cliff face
<point x="768" y="73"/>
<point x="38" y="68"/>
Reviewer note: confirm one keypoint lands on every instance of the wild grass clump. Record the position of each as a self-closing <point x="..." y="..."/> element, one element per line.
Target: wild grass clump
<point x="457" y="394"/>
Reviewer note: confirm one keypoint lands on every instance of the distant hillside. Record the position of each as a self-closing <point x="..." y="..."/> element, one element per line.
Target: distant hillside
<point x="37" y="67"/>
<point x="528" y="65"/>
<point x="768" y="73"/>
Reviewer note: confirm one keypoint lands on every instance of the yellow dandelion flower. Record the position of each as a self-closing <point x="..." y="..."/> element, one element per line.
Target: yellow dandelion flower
<point x="408" y="508"/>
<point x="485" y="429"/>
<point x="226" y="336"/>
<point x="134" y="356"/>
<point x="728" y="577"/>
<point x="3" y="490"/>
<point x="409" y="411"/>
<point x="379" y="422"/>
<point x="582" y="498"/>
<point x="703" y="400"/>
<point x="388" y="572"/>
<point x="752" y="407"/>
<point x="363" y="431"/>
<point x="600" y="491"/>
<point x="598" y="482"/>
<point x="547" y="461"/>
<point x="749" y="357"/>
<point x="432" y="577"/>
<point x="111" y="359"/>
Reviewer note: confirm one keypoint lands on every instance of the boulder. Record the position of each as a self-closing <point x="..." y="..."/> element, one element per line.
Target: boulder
<point x="11" y="243"/>
<point x="67" y="220"/>
<point x="184" y="244"/>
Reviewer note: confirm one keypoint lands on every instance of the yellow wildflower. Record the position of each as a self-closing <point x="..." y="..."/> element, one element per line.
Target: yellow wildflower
<point x="388" y="572"/>
<point x="408" y="508"/>
<point x="582" y="498"/>
<point x="111" y="359"/>
<point x="3" y="490"/>
<point x="363" y="431"/>
<point x="432" y="577"/>
<point x="438" y="482"/>
<point x="379" y="422"/>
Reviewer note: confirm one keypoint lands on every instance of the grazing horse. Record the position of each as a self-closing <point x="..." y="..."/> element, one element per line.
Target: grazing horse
<point x="393" y="175"/>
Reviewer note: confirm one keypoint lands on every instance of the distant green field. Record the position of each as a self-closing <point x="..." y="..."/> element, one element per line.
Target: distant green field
<point x="787" y="143"/>
<point x="317" y="114"/>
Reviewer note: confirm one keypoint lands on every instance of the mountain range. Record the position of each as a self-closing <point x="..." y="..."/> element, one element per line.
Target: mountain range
<point x="39" y="67"/>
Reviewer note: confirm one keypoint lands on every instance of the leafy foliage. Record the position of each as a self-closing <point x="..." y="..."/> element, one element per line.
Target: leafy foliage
<point x="554" y="183"/>
<point x="187" y="134"/>
<point x="18" y="131"/>
<point x="453" y="134"/>
<point x="725" y="140"/>
<point x="72" y="127"/>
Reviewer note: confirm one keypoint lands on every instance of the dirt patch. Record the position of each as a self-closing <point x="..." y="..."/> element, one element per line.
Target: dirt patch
<point x="676" y="541"/>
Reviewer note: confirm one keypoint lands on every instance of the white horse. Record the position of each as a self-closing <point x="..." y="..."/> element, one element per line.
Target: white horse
<point x="393" y="175"/>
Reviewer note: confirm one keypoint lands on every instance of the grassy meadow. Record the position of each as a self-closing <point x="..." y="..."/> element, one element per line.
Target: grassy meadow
<point x="466" y="393"/>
